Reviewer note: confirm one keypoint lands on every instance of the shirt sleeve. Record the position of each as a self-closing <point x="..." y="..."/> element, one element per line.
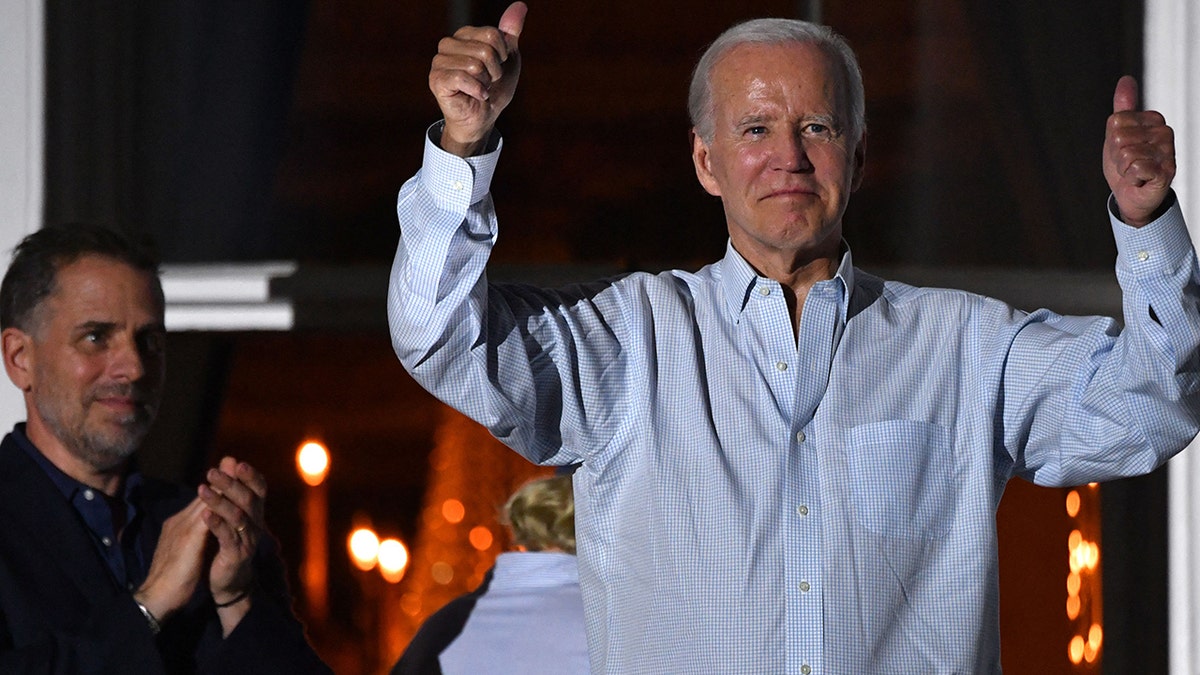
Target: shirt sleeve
<point x="512" y="357"/>
<point x="1085" y="399"/>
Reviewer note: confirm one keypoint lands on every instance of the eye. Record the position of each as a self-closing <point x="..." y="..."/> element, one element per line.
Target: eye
<point x="153" y="342"/>
<point x="757" y="130"/>
<point x="819" y="129"/>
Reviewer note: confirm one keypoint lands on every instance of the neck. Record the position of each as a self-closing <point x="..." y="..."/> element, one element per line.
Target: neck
<point x="108" y="481"/>
<point x="797" y="277"/>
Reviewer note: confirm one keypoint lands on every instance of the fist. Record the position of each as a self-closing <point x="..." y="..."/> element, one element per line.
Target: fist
<point x="1139" y="156"/>
<point x="474" y="76"/>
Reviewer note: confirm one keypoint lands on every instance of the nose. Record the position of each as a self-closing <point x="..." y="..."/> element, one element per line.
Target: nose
<point x="791" y="154"/>
<point x="127" y="363"/>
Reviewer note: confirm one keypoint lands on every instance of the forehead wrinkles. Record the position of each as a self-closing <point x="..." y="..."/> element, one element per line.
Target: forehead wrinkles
<point x="781" y="76"/>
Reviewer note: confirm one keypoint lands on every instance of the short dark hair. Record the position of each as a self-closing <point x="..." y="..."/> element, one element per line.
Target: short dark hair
<point x="37" y="259"/>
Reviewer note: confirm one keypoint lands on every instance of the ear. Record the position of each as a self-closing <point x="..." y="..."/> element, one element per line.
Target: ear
<point x="18" y="357"/>
<point x="703" y="162"/>
<point x="860" y="163"/>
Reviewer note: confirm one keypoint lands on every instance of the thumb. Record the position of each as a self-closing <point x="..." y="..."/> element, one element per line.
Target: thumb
<point x="512" y="22"/>
<point x="1126" y="95"/>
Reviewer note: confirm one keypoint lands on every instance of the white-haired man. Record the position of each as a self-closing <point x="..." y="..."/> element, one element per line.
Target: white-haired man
<point x="788" y="465"/>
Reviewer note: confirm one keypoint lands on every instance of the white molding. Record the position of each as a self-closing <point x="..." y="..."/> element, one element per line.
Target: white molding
<point x="226" y="297"/>
<point x="1172" y="58"/>
<point x="22" y="87"/>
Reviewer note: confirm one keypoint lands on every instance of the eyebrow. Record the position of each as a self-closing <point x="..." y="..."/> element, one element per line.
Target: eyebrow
<point x="89" y="326"/>
<point x="754" y="119"/>
<point x="109" y="326"/>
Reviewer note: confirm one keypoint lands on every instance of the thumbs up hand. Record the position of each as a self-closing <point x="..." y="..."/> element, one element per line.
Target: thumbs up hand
<point x="1139" y="156"/>
<point x="473" y="77"/>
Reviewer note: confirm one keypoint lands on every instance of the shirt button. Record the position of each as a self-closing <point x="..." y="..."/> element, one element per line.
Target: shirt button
<point x="802" y="510"/>
<point x="781" y="366"/>
<point x="1143" y="256"/>
<point x="764" y="290"/>
<point x="458" y="185"/>
<point x="106" y="541"/>
<point x="89" y="495"/>
<point x="800" y="437"/>
<point x="804" y="587"/>
<point x="805" y="670"/>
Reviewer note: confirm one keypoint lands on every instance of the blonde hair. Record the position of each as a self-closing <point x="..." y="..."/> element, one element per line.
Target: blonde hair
<point x="541" y="515"/>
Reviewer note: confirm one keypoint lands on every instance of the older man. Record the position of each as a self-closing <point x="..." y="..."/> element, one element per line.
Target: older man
<point x="789" y="465"/>
<point x="101" y="568"/>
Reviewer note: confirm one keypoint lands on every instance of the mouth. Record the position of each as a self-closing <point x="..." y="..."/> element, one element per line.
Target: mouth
<point x="121" y="404"/>
<point x="791" y="192"/>
<point x="123" y="401"/>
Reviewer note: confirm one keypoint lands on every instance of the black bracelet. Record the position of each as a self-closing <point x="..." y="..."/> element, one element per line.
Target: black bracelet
<point x="236" y="599"/>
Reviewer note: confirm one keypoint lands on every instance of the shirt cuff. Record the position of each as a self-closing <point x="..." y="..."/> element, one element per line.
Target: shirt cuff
<point x="456" y="181"/>
<point x="1161" y="244"/>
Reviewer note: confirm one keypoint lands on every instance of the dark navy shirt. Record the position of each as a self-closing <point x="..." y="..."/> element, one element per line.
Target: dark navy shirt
<point x="123" y="553"/>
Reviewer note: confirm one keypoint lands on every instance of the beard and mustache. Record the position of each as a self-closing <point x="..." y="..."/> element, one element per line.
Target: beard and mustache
<point x="104" y="444"/>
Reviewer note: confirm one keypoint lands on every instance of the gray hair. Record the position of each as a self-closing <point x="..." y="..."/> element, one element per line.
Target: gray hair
<point x="774" y="32"/>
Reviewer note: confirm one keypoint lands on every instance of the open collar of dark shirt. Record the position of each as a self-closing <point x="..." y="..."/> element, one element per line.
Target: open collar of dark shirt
<point x="122" y="553"/>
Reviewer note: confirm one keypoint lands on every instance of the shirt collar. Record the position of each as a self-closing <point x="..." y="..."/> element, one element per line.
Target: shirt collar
<point x="67" y="485"/>
<point x="739" y="279"/>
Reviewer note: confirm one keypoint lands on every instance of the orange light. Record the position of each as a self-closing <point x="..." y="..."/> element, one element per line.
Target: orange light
<point x="1075" y="649"/>
<point x="1073" y="503"/>
<point x="1073" y="583"/>
<point x="481" y="538"/>
<point x="442" y="572"/>
<point x="1073" y="606"/>
<point x="1095" y="636"/>
<point x="364" y="548"/>
<point x="453" y="511"/>
<point x="393" y="560"/>
<point x="313" y="461"/>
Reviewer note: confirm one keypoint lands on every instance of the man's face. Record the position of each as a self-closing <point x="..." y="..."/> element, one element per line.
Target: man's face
<point x="781" y="158"/>
<point x="96" y="361"/>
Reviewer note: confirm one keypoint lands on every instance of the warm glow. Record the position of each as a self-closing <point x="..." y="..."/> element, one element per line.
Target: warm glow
<point x="313" y="461"/>
<point x="481" y="538"/>
<point x="410" y="604"/>
<point x="1095" y="636"/>
<point x="1084" y="555"/>
<point x="1074" y="539"/>
<point x="393" y="560"/>
<point x="1073" y="607"/>
<point x="1073" y="503"/>
<point x="442" y="573"/>
<point x="1073" y="583"/>
<point x="453" y="511"/>
<point x="364" y="548"/>
<point x="1075" y="650"/>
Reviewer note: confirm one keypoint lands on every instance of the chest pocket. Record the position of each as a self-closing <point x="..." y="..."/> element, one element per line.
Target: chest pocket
<point x="901" y="472"/>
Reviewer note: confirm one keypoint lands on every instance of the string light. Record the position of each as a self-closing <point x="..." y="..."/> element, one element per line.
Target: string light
<point x="1083" y="606"/>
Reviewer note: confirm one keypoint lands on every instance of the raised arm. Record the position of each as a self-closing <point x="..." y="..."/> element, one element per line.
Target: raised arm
<point x="474" y="77"/>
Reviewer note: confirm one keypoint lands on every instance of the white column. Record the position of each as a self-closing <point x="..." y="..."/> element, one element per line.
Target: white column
<point x="21" y="105"/>
<point x="1172" y="86"/>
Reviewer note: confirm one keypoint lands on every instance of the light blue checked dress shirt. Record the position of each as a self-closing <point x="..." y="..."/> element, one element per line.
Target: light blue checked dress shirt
<point x="751" y="501"/>
<point x="529" y="622"/>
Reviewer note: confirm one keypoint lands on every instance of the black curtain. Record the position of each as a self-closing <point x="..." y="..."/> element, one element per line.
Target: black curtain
<point x="168" y="118"/>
